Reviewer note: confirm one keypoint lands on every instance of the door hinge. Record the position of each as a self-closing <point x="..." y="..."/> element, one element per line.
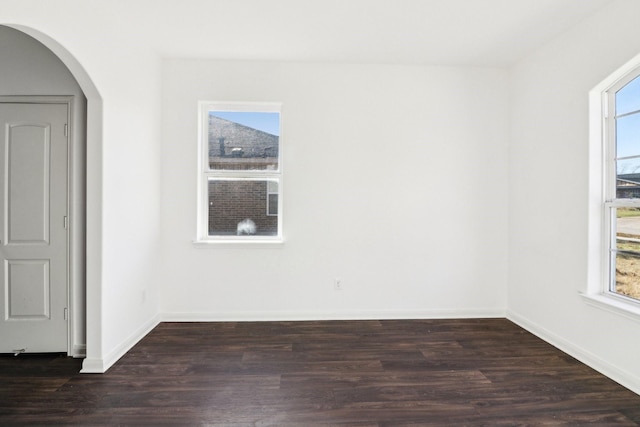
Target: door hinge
<point x="66" y="314"/>
<point x="66" y="130"/>
<point x="66" y="222"/>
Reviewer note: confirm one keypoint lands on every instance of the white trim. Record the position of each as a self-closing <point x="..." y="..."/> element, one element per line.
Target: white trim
<point x="266" y="316"/>
<point x="242" y="106"/>
<point x="621" y="376"/>
<point x="615" y="304"/>
<point x="100" y="366"/>
<point x="93" y="366"/>
<point x="241" y="242"/>
<point x="597" y="271"/>
<point x="36" y="99"/>
<point x="79" y="351"/>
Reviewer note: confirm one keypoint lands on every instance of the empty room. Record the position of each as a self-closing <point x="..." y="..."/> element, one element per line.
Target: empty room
<point x="330" y="213"/>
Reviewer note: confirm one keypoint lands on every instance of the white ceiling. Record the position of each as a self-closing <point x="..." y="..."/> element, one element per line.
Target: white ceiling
<point x="446" y="32"/>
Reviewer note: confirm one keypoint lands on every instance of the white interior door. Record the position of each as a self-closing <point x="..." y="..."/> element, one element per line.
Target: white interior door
<point x="33" y="227"/>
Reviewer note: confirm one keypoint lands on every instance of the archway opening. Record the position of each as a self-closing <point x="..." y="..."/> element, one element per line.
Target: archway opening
<point x="87" y="180"/>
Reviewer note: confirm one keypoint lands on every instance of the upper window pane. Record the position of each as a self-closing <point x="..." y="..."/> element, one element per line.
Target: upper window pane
<point x="628" y="98"/>
<point x="241" y="140"/>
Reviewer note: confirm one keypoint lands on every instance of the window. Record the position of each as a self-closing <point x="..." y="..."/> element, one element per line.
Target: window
<point x="622" y="186"/>
<point x="240" y="172"/>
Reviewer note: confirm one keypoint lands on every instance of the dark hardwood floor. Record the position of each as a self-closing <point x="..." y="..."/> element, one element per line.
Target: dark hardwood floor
<point x="480" y="372"/>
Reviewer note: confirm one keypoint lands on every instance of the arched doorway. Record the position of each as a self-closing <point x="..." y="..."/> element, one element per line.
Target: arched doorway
<point x="85" y="171"/>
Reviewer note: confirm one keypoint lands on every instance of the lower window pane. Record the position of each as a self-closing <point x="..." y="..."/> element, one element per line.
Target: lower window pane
<point x="240" y="208"/>
<point x="627" y="257"/>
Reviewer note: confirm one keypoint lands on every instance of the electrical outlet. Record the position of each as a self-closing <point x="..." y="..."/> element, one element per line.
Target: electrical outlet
<point x="337" y="284"/>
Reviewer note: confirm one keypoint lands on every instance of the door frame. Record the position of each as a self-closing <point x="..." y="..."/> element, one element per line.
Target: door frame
<point x="73" y="230"/>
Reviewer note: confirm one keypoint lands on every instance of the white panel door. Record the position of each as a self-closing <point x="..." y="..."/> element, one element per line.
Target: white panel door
<point x="33" y="227"/>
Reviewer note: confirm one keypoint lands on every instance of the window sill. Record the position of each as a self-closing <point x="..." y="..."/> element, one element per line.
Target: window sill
<point x="239" y="243"/>
<point x="613" y="304"/>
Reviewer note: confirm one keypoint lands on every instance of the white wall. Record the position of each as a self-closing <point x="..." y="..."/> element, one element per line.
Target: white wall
<point x="121" y="79"/>
<point x="548" y="177"/>
<point x="29" y="68"/>
<point x="395" y="181"/>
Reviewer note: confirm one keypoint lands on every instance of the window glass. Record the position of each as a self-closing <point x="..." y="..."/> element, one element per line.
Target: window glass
<point x="628" y="98"/>
<point x="628" y="136"/>
<point x="243" y="140"/>
<point x="239" y="207"/>
<point x="627" y="252"/>
<point x="628" y="178"/>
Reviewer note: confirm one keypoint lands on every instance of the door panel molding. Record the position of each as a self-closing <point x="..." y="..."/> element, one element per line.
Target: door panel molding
<point x="17" y="209"/>
<point x="23" y="302"/>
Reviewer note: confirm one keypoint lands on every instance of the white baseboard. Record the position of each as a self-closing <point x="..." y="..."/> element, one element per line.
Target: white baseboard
<point x="92" y="366"/>
<point x="620" y="376"/>
<point x="100" y="366"/>
<point x="266" y="316"/>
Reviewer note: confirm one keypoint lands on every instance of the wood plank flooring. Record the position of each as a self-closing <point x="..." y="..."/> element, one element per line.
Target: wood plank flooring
<point x="478" y="372"/>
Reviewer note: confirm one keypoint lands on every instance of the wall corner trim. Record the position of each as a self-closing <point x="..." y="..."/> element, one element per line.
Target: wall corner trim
<point x="102" y="365"/>
<point x="92" y="366"/>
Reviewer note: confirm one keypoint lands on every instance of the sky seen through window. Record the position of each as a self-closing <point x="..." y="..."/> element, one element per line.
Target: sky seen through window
<point x="265" y="121"/>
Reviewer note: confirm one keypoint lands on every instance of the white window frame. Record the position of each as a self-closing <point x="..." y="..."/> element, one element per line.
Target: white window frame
<point x="204" y="173"/>
<point x="602" y="195"/>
